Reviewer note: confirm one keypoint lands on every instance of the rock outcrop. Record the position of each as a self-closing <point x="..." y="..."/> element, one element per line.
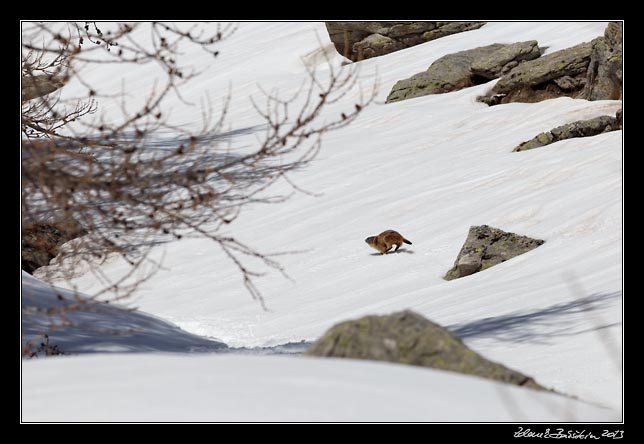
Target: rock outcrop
<point x="604" y="75"/>
<point x="562" y="73"/>
<point x="443" y="29"/>
<point x="505" y="59"/>
<point x="376" y="45"/>
<point x="41" y="241"/>
<point x="408" y="338"/>
<point x="580" y="128"/>
<point x="463" y="69"/>
<point x="485" y="247"/>
<point x="362" y="40"/>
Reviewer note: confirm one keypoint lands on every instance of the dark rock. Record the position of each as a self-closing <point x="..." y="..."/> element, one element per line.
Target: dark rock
<point x="449" y="73"/>
<point x="562" y="73"/>
<point x="604" y="75"/>
<point x="485" y="247"/>
<point x="353" y="39"/>
<point x="580" y="128"/>
<point x="567" y="83"/>
<point x="40" y="242"/>
<point x="408" y="338"/>
<point x="505" y="58"/>
<point x="491" y="100"/>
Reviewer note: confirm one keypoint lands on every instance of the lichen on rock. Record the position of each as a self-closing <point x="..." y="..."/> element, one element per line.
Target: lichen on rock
<point x="580" y="128"/>
<point x="408" y="338"/>
<point x="562" y="73"/>
<point x="485" y="247"/>
<point x="465" y="68"/>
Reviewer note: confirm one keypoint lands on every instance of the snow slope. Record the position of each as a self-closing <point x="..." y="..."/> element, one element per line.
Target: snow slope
<point x="217" y="388"/>
<point x="430" y="168"/>
<point x="97" y="327"/>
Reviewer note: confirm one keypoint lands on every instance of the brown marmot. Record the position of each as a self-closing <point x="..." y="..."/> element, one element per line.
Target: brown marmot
<point x="385" y="240"/>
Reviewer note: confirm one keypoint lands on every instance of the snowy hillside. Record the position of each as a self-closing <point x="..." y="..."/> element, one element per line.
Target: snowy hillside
<point x="267" y="388"/>
<point x="430" y="168"/>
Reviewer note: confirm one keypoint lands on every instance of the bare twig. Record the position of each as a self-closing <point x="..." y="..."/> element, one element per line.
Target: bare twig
<point x="130" y="186"/>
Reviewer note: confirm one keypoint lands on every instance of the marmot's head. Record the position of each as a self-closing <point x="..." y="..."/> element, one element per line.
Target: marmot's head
<point x="370" y="240"/>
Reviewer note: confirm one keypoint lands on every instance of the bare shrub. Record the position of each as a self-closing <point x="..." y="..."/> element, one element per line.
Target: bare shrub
<point x="125" y="182"/>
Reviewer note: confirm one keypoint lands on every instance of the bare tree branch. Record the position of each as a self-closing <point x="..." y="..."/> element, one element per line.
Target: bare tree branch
<point x="134" y="183"/>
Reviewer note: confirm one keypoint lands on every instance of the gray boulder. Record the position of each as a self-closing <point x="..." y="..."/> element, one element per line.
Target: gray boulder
<point x="376" y="45"/>
<point x="580" y="128"/>
<point x="562" y="73"/>
<point x="585" y="128"/>
<point x="408" y="338"/>
<point x="604" y="75"/>
<point x="449" y="73"/>
<point x="349" y="37"/>
<point x="505" y="58"/>
<point x="37" y="86"/>
<point x="463" y="69"/>
<point x="487" y="246"/>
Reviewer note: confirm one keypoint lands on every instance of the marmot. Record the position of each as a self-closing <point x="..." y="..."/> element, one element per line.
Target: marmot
<point x="385" y="240"/>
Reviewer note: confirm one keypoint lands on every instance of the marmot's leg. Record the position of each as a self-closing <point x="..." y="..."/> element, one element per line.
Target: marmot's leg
<point x="397" y="247"/>
<point x="387" y="250"/>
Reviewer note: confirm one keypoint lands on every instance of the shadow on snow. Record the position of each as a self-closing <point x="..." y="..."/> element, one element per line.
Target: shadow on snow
<point x="563" y="319"/>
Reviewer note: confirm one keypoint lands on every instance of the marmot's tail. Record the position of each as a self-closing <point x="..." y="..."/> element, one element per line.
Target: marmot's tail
<point x="406" y="241"/>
